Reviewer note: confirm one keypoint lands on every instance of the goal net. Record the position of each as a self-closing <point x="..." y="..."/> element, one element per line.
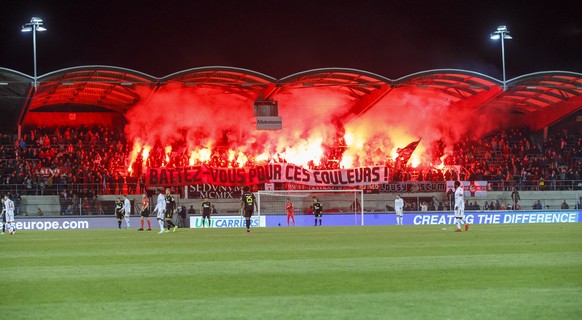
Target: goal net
<point x="333" y="201"/>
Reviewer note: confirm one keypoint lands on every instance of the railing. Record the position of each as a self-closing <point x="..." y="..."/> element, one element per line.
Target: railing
<point x="64" y="207"/>
<point x="88" y="189"/>
<point x="96" y="207"/>
<point x="527" y="201"/>
<point x="529" y="185"/>
<point x="83" y="189"/>
<point x="69" y="207"/>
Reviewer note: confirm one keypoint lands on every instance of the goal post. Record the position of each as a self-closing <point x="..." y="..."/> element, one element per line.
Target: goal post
<point x="333" y="201"/>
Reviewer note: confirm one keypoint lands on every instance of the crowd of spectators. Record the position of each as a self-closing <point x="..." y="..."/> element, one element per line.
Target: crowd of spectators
<point x="91" y="161"/>
<point x="513" y="158"/>
<point x="86" y="161"/>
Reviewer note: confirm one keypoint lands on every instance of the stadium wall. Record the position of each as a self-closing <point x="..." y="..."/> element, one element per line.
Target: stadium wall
<point x="550" y="200"/>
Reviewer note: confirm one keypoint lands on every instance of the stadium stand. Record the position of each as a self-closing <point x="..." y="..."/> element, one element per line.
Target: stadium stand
<point x="82" y="163"/>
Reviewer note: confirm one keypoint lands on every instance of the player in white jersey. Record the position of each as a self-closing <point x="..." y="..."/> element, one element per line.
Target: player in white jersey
<point x="460" y="207"/>
<point x="3" y="215"/>
<point x="9" y="207"/>
<point x="399" y="208"/>
<point x="160" y="210"/>
<point x="126" y="210"/>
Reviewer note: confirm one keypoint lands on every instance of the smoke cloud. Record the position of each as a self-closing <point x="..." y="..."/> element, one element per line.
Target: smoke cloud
<point x="199" y="120"/>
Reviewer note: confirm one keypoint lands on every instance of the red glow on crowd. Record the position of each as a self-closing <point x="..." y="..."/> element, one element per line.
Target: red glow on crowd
<point x="210" y="125"/>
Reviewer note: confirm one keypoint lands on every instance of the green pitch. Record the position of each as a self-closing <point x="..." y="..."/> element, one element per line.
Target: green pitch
<point x="411" y="272"/>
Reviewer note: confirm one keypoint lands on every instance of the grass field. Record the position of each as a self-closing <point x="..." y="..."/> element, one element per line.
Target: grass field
<point x="529" y="271"/>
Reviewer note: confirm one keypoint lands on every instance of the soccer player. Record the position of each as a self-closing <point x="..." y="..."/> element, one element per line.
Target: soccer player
<point x="248" y="203"/>
<point x="118" y="211"/>
<point x="170" y="208"/>
<point x="290" y="214"/>
<point x="3" y="214"/>
<point x="9" y="206"/>
<point x="160" y="210"/>
<point x="399" y="208"/>
<point x="460" y="207"/>
<point x="206" y="209"/>
<point x="317" y="210"/>
<point x="145" y="208"/>
<point x="126" y="210"/>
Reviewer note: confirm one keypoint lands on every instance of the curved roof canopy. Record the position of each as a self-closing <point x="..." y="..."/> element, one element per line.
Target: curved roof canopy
<point x="14" y="93"/>
<point x="246" y="83"/>
<point x="105" y="87"/>
<point x="351" y="82"/>
<point x="452" y="83"/>
<point x="546" y="96"/>
<point x="541" y="90"/>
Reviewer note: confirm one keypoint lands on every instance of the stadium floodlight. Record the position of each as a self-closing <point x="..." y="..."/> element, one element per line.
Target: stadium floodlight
<point x="33" y="26"/>
<point x="502" y="33"/>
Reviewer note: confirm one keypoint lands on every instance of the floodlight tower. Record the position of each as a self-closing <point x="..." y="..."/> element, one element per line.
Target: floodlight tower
<point x="33" y="26"/>
<point x="502" y="33"/>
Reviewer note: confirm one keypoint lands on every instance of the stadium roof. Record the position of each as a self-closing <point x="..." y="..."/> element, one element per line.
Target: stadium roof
<point x="542" y="97"/>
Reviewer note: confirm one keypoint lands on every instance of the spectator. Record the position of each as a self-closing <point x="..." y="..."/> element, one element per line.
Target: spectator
<point x="476" y="206"/>
<point x="356" y="206"/>
<point x="541" y="184"/>
<point x="182" y="215"/>
<point x="515" y="198"/>
<point x="17" y="202"/>
<point x="564" y="205"/>
<point x="120" y="181"/>
<point x="63" y="201"/>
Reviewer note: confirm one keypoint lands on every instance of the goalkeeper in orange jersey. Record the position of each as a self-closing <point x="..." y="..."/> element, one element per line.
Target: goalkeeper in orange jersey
<point x="290" y="214"/>
<point x="145" y="214"/>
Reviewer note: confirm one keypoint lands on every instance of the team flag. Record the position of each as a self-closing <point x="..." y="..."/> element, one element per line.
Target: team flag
<point x="405" y="153"/>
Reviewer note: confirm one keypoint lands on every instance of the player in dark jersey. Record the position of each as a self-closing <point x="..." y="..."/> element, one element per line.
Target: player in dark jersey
<point x="317" y="210"/>
<point x="170" y="208"/>
<point x="206" y="209"/>
<point x="248" y="204"/>
<point x="119" y="211"/>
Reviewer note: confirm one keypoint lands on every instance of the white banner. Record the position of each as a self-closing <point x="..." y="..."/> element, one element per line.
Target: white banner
<point x="471" y="188"/>
<point x="269" y="123"/>
<point x="228" y="222"/>
<point x="269" y="173"/>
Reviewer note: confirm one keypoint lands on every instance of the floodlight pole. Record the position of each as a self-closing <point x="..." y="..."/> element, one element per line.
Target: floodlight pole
<point x="33" y="26"/>
<point x="503" y="63"/>
<point x="503" y="34"/>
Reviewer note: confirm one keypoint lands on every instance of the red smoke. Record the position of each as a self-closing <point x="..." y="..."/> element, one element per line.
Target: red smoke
<point x="204" y="123"/>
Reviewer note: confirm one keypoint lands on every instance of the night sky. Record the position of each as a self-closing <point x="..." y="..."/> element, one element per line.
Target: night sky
<point x="279" y="38"/>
